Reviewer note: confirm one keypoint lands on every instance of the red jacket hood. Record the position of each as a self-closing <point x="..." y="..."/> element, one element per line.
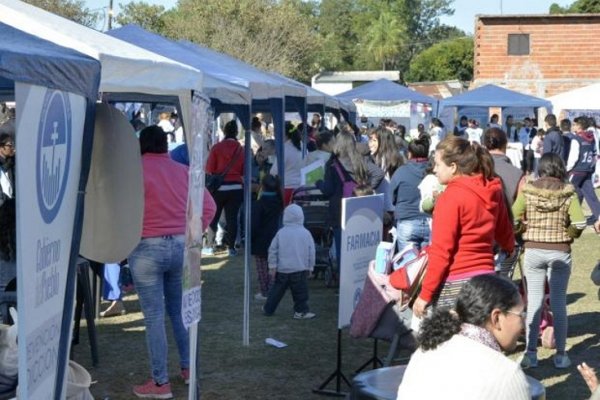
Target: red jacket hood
<point x="486" y="190"/>
<point x="588" y="136"/>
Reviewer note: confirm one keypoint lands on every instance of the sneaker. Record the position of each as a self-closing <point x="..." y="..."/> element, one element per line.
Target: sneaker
<point x="115" y="308"/>
<point x="260" y="297"/>
<point x="185" y="375"/>
<point x="208" y="251"/>
<point x="233" y="252"/>
<point x="562" y="361"/>
<point x="304" y="315"/>
<point x="150" y="390"/>
<point x="528" y="360"/>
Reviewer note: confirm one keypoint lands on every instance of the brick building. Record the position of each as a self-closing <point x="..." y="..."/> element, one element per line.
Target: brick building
<point x="541" y="55"/>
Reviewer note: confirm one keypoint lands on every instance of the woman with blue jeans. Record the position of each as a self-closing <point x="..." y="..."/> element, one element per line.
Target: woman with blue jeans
<point x="548" y="213"/>
<point x="157" y="262"/>
<point x="412" y="225"/>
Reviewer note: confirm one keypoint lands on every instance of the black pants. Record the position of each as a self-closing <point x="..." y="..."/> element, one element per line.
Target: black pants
<point x="230" y="202"/>
<point x="298" y="284"/>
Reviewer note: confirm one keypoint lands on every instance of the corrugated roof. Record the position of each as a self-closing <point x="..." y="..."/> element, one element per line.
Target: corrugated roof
<point x="355" y="76"/>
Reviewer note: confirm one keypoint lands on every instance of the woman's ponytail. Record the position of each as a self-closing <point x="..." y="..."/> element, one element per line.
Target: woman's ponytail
<point x="438" y="328"/>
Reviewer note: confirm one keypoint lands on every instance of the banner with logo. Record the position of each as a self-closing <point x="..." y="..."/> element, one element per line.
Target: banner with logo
<point x="201" y="118"/>
<point x="382" y="109"/>
<point x="362" y="229"/>
<point x="48" y="164"/>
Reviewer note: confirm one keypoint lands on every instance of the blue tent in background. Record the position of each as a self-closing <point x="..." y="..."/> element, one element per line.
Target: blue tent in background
<point x="29" y="59"/>
<point x="386" y="90"/>
<point x="494" y="96"/>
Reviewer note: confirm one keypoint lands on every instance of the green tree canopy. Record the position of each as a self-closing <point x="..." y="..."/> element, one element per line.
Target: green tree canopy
<point x="579" y="7"/>
<point x="71" y="9"/>
<point x="384" y="39"/>
<point x="451" y="59"/>
<point x="148" y="16"/>
<point x="269" y="34"/>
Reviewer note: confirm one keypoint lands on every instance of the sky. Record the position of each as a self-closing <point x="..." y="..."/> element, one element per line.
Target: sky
<point x="463" y="18"/>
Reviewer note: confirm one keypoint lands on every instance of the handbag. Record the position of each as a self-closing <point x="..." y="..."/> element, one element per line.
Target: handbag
<point x="214" y="181"/>
<point x="348" y="184"/>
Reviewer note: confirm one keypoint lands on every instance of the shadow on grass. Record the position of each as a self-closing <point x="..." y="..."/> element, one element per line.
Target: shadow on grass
<point x="573" y="297"/>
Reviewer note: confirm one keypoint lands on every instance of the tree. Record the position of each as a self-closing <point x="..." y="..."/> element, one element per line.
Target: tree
<point x="70" y="9"/>
<point x="269" y="34"/>
<point x="148" y="16"/>
<point x="422" y="21"/>
<point x="451" y="59"/>
<point x="384" y="39"/>
<point x="579" y="7"/>
<point x="337" y="38"/>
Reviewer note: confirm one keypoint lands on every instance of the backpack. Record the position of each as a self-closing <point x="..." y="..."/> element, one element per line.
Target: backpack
<point x="348" y="183"/>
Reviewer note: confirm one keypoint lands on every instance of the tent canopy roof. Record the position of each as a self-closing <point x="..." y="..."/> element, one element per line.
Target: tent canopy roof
<point x="125" y="68"/>
<point x="494" y="96"/>
<point x="223" y="87"/>
<point x="385" y="90"/>
<point x="29" y="59"/>
<point x="584" y="98"/>
<point x="262" y="84"/>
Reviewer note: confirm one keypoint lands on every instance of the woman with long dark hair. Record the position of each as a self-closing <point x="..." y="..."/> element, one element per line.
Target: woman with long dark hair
<point x="461" y="350"/>
<point x="292" y="162"/>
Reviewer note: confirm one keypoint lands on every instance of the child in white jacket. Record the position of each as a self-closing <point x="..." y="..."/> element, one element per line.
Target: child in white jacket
<point x="291" y="261"/>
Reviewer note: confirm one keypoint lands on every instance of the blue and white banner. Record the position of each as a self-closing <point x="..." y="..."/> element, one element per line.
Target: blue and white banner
<point x="518" y="113"/>
<point x="48" y="166"/>
<point x="479" y="114"/>
<point x="362" y="229"/>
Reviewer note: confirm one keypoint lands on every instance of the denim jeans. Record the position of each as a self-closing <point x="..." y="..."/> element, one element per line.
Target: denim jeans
<point x="157" y="270"/>
<point x="111" y="289"/>
<point x="298" y="284"/>
<point x="415" y="231"/>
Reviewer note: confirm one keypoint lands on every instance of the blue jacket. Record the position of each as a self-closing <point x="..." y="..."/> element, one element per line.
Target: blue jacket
<point x="404" y="190"/>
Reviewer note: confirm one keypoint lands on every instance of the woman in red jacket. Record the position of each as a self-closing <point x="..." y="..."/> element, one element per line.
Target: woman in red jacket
<point x="469" y="217"/>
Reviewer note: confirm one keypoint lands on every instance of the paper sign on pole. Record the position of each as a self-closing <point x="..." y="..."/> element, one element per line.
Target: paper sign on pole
<point x="193" y="239"/>
<point x="362" y="230"/>
<point x="313" y="172"/>
<point x="48" y="166"/>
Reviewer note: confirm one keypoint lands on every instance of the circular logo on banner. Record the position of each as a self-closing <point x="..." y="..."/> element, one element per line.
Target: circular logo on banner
<point x="53" y="153"/>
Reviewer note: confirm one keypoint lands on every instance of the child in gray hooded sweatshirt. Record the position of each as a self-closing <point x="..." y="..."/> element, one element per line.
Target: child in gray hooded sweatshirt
<point x="291" y="261"/>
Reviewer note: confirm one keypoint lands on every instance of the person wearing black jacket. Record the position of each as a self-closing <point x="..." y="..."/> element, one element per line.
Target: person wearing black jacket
<point x="266" y="214"/>
<point x="553" y="141"/>
<point x="7" y="209"/>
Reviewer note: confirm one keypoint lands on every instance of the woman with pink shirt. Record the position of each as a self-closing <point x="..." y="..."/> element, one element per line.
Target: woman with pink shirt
<point x="157" y="261"/>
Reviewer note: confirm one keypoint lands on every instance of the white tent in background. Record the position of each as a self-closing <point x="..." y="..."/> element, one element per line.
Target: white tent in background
<point x="585" y="100"/>
<point x="126" y="69"/>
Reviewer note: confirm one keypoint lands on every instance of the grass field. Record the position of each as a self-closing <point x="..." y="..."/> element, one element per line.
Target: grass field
<point x="230" y="370"/>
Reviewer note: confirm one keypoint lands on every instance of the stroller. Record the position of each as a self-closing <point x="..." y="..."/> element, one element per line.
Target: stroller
<point x="316" y="214"/>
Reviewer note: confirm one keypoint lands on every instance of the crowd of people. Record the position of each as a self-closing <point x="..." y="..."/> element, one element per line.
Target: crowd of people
<point x="455" y="193"/>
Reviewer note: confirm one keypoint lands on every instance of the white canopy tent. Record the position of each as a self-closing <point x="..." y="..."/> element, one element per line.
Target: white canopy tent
<point x="581" y="99"/>
<point x="126" y="69"/>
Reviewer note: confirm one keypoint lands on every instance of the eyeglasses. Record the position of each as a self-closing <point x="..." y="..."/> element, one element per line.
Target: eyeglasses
<point x="522" y="314"/>
<point x="10" y="145"/>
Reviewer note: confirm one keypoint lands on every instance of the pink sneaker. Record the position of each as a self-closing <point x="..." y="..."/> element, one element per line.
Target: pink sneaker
<point x="150" y="390"/>
<point x="185" y="375"/>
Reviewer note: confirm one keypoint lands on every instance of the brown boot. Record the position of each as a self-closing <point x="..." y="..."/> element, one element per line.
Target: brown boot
<point x="115" y="308"/>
